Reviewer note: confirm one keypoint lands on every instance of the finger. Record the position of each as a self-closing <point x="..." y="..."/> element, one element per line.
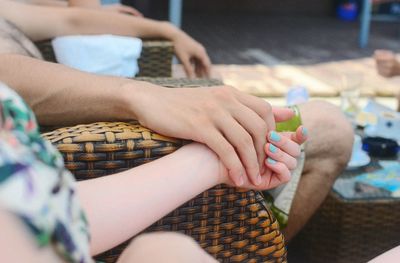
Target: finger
<point x="284" y="143"/>
<point x="227" y="154"/>
<point x="243" y="143"/>
<point x="276" y="154"/>
<point x="300" y="136"/>
<point x="198" y="69"/>
<point x="282" y="114"/>
<point x="205" y="64"/>
<point x="280" y="171"/>
<point x="188" y="67"/>
<point x="260" y="106"/>
<point x="256" y="127"/>
<point x="201" y="70"/>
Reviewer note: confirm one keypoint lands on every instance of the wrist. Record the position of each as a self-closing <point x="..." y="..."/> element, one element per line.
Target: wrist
<point x="210" y="164"/>
<point x="136" y="98"/>
<point x="169" y="31"/>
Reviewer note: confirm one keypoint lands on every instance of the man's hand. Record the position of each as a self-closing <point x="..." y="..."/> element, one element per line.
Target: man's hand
<point x="233" y="124"/>
<point x="192" y="55"/>
<point x="386" y="63"/>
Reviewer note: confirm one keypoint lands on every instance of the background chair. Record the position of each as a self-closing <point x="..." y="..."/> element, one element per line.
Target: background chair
<point x="155" y="60"/>
<point x="233" y="225"/>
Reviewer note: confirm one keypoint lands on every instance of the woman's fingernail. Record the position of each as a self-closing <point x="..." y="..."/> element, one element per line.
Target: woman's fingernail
<point x="272" y="148"/>
<point x="304" y="131"/>
<point x="275" y="136"/>
<point x="271" y="161"/>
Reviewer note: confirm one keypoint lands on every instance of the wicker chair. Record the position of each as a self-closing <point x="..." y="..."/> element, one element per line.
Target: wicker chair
<point x="155" y="60"/>
<point x="232" y="224"/>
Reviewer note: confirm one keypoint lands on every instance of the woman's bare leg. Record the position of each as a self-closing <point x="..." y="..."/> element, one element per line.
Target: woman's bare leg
<point x="17" y="245"/>
<point x="167" y="247"/>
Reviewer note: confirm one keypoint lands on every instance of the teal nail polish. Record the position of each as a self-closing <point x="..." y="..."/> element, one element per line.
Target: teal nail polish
<point x="271" y="161"/>
<point x="272" y="148"/>
<point x="275" y="136"/>
<point x="304" y="131"/>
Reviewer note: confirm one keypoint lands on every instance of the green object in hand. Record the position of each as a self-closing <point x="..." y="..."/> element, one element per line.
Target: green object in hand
<point x="292" y="124"/>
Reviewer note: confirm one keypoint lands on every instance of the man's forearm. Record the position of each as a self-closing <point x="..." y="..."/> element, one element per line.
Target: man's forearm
<point x="45" y="22"/>
<point x="85" y="3"/>
<point x="61" y="96"/>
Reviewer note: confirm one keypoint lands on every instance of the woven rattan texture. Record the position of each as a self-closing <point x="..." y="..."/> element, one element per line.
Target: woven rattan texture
<point x="234" y="225"/>
<point x="231" y="224"/>
<point x="155" y="60"/>
<point x="351" y="231"/>
<point x="182" y="82"/>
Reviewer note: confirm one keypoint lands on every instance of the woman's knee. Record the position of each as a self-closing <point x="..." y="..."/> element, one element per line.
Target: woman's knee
<point x="164" y="247"/>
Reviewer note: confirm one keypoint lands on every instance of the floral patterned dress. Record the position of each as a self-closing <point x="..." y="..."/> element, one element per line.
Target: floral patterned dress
<point x="35" y="186"/>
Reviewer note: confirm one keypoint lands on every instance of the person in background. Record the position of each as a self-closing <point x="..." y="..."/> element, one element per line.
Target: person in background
<point x="387" y="66"/>
<point x="114" y="6"/>
<point x="46" y="22"/>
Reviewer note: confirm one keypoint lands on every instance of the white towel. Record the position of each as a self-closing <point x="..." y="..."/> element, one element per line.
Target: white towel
<point x="99" y="54"/>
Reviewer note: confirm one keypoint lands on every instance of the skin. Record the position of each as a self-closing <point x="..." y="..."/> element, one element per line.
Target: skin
<point x="387" y="66"/>
<point x="96" y="4"/>
<point x="330" y="135"/>
<point x="93" y="4"/>
<point x="328" y="149"/>
<point x="386" y="63"/>
<point x="47" y="22"/>
<point x="390" y="256"/>
<point x="190" y="170"/>
<point x="240" y="161"/>
<point x="233" y="124"/>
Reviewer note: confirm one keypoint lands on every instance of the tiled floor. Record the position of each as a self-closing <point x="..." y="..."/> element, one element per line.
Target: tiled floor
<point x="265" y="55"/>
<point x="249" y="39"/>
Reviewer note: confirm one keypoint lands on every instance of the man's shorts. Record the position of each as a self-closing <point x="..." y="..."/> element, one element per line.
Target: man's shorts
<point x="35" y="186"/>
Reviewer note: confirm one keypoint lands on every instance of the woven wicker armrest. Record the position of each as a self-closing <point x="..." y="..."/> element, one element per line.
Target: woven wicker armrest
<point x="232" y="224"/>
<point x="155" y="60"/>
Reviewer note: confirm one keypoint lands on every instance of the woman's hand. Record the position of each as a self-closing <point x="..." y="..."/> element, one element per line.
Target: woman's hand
<point x="192" y="55"/>
<point x="282" y="150"/>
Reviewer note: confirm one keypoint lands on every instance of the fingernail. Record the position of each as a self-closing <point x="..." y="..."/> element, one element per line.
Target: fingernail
<point x="271" y="161"/>
<point x="272" y="148"/>
<point x="275" y="136"/>
<point x="240" y="182"/>
<point x="258" y="180"/>
<point x="304" y="131"/>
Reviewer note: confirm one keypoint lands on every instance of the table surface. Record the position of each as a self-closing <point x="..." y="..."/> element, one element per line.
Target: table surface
<point x="379" y="179"/>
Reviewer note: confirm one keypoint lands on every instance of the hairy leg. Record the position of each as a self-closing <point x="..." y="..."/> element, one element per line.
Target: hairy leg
<point x="165" y="247"/>
<point x="18" y="246"/>
<point x="328" y="150"/>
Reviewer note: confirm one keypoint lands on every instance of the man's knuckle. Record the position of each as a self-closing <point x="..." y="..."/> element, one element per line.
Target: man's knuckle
<point x="268" y="107"/>
<point x="246" y="142"/>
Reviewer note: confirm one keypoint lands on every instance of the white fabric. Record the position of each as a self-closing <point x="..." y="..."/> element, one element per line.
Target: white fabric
<point x="99" y="54"/>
